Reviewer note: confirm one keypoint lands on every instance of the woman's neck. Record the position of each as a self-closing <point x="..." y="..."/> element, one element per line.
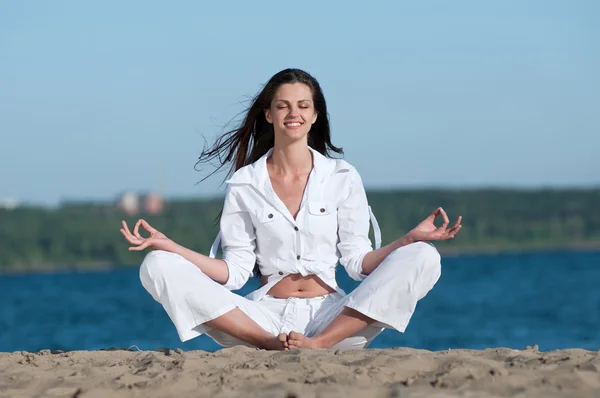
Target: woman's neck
<point x="291" y="159"/>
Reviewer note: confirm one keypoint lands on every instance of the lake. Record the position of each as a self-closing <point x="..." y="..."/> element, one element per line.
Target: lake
<point x="547" y="298"/>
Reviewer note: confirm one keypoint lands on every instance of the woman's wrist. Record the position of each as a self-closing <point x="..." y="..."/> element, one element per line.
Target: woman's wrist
<point x="405" y="240"/>
<point x="173" y="247"/>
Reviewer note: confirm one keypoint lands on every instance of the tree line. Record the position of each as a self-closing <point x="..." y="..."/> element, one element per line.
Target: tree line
<point x="84" y="235"/>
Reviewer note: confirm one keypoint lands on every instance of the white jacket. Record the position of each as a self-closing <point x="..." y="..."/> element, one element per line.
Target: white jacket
<point x="331" y="226"/>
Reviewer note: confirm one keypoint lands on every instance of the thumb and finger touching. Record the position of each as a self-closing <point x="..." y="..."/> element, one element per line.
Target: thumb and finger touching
<point x="442" y="232"/>
<point x="135" y="238"/>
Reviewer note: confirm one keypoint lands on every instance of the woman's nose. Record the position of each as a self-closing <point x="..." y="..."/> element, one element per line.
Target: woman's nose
<point x="294" y="110"/>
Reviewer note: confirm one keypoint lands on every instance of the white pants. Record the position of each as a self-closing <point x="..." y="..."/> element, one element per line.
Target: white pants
<point x="388" y="295"/>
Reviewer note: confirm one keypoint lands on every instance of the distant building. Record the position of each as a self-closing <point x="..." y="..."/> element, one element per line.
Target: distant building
<point x="129" y="203"/>
<point x="132" y="203"/>
<point x="153" y="204"/>
<point x="9" y="203"/>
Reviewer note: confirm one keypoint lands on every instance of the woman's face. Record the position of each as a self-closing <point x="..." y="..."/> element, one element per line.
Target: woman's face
<point x="292" y="111"/>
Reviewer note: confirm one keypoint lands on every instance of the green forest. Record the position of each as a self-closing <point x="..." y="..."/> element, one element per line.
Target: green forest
<point x="85" y="235"/>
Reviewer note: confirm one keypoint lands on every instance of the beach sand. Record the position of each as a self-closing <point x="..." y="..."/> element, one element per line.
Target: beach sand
<point x="245" y="372"/>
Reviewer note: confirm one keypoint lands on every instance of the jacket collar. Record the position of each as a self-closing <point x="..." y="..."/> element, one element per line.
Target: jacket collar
<point x="257" y="174"/>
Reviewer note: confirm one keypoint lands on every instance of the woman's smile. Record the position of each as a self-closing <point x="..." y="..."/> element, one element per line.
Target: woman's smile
<point x="293" y="125"/>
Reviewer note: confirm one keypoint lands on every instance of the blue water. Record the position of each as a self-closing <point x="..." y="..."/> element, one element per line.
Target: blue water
<point x="511" y="300"/>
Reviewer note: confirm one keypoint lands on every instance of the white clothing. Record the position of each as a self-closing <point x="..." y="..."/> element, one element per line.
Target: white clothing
<point x="331" y="226"/>
<point x="302" y="315"/>
<point x="388" y="295"/>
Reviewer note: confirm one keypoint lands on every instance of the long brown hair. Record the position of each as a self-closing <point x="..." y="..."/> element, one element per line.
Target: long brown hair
<point x="255" y="136"/>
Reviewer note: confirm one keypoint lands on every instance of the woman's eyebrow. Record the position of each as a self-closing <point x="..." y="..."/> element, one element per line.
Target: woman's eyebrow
<point x="283" y="100"/>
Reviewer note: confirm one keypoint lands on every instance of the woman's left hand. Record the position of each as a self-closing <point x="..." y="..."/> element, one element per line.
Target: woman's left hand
<point x="427" y="230"/>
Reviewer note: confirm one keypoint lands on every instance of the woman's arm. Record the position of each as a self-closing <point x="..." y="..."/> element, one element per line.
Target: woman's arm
<point x="372" y="259"/>
<point x="237" y="242"/>
<point x="358" y="256"/>
<point x="353" y="229"/>
<point x="215" y="269"/>
<point x="425" y="231"/>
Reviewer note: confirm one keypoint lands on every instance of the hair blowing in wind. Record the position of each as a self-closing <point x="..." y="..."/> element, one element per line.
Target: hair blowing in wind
<point x="255" y="136"/>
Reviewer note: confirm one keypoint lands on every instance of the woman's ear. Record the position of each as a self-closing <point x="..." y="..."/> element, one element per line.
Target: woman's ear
<point x="268" y="116"/>
<point x="315" y="118"/>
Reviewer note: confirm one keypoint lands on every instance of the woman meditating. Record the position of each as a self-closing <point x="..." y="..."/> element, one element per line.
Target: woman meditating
<point x="291" y="213"/>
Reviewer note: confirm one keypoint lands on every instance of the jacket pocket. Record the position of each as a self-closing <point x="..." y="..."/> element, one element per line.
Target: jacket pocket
<point x="319" y="208"/>
<point x="267" y="214"/>
<point x="322" y="220"/>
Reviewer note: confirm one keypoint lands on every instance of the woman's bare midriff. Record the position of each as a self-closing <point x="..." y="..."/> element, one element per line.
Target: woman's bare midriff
<point x="296" y="285"/>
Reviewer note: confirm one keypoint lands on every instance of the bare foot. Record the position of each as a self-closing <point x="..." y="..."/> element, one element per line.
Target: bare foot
<point x="297" y="340"/>
<point x="278" y="343"/>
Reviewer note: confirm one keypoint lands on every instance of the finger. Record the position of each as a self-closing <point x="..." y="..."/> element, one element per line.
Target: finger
<point x="136" y="229"/>
<point x="127" y="235"/>
<point x="130" y="238"/>
<point x="148" y="227"/>
<point x="445" y="219"/>
<point x="453" y="231"/>
<point x="125" y="228"/>
<point x="434" y="214"/>
<point x="143" y="246"/>
<point x="457" y="223"/>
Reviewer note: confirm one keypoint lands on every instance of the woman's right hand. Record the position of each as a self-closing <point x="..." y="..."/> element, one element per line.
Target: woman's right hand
<point x="157" y="240"/>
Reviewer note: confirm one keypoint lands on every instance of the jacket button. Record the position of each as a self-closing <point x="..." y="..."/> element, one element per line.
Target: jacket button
<point x="322" y="210"/>
<point x="295" y="228"/>
<point x="270" y="215"/>
<point x="298" y="257"/>
<point x="280" y="272"/>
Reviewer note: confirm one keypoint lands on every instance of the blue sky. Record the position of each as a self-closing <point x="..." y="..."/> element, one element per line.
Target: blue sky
<point x="99" y="98"/>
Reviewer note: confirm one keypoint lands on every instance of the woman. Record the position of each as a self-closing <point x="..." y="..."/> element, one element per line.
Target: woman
<point x="291" y="214"/>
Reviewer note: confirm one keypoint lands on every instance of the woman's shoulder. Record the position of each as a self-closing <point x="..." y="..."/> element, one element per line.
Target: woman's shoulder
<point x="342" y="165"/>
<point x="343" y="170"/>
<point x="243" y="175"/>
<point x="342" y="177"/>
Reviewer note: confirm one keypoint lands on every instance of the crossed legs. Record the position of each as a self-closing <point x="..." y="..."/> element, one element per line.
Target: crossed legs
<point x="389" y="295"/>
<point x="402" y="278"/>
<point x="240" y="326"/>
<point x="346" y="324"/>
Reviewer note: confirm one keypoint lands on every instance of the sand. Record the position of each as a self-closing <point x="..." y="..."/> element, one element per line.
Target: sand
<point x="246" y="372"/>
